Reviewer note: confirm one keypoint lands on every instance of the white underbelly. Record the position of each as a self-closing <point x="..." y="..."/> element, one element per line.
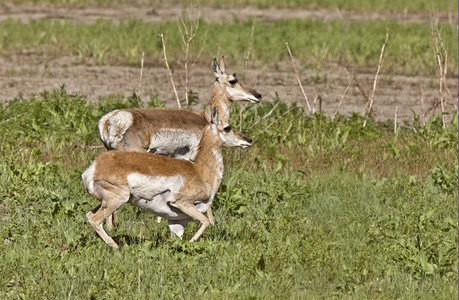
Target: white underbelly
<point x="176" y="143"/>
<point x="161" y="206"/>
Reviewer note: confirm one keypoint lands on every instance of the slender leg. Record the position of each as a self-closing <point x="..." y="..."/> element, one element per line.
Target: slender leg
<point x="113" y="198"/>
<point x="111" y="220"/>
<point x="192" y="211"/>
<point x="210" y="215"/>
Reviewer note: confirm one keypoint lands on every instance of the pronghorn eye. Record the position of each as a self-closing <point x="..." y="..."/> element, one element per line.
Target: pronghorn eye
<point x="233" y="82"/>
<point x="227" y="129"/>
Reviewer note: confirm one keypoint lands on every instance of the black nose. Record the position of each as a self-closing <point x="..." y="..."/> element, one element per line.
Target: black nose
<point x="248" y="139"/>
<point x="256" y="94"/>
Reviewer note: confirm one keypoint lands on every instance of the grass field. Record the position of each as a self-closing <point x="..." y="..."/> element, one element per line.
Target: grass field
<point x="314" y="43"/>
<point x="315" y="209"/>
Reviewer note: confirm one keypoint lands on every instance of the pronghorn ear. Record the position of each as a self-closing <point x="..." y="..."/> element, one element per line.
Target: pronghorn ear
<point x="222" y="64"/>
<point x="215" y="116"/>
<point x="216" y="69"/>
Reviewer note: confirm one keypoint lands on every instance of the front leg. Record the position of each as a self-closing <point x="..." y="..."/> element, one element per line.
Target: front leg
<point x="189" y="208"/>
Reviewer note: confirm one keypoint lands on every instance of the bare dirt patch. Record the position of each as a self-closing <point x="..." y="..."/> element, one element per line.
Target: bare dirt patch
<point x="30" y="74"/>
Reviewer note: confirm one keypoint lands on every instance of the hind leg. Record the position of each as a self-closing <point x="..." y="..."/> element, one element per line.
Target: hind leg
<point x="111" y="220"/>
<point x="113" y="197"/>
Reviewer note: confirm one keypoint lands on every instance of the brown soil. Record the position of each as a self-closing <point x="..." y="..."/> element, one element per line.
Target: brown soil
<point x="30" y="74"/>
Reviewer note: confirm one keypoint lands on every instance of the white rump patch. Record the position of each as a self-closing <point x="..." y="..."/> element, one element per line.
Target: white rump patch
<point x="178" y="143"/>
<point x="88" y="178"/>
<point x="113" y="126"/>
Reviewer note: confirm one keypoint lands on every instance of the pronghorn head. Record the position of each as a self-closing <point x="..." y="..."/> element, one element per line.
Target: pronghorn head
<point x="231" y="87"/>
<point x="229" y="136"/>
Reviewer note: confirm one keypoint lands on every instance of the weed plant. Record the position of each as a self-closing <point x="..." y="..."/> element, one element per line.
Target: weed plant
<point x="315" y="209"/>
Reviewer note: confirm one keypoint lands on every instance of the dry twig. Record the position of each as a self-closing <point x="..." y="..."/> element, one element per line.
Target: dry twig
<point x="341" y="100"/>
<point x="249" y="50"/>
<point x="298" y="77"/>
<point x="372" y="93"/>
<point x="362" y="92"/>
<point x="169" y="70"/>
<point x="441" y="60"/>
<point x="283" y="115"/>
<point x="423" y="122"/>
<point x="188" y="27"/>
<point x="265" y="116"/>
<point x="139" y="87"/>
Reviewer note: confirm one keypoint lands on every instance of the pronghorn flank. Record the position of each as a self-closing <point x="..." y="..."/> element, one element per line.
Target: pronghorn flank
<point x="171" y="132"/>
<point x="178" y="190"/>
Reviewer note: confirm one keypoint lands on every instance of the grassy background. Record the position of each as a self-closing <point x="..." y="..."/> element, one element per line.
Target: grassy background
<point x="314" y="43"/>
<point x="315" y="209"/>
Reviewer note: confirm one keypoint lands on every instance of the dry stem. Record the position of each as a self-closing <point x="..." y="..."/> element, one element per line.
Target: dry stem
<point x="169" y="70"/>
<point x="188" y="27"/>
<point x="139" y="87"/>
<point x="298" y="77"/>
<point x="362" y="92"/>
<point x="249" y="50"/>
<point x="441" y="59"/>
<point x="341" y="100"/>
<point x="283" y="115"/>
<point x="265" y="116"/>
<point x="423" y="121"/>
<point x="372" y="93"/>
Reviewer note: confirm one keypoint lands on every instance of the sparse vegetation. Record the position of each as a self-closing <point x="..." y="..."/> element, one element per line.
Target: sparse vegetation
<point x="313" y="42"/>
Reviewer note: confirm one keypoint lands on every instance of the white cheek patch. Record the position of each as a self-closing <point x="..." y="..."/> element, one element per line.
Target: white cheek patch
<point x="178" y="143"/>
<point x="238" y="94"/>
<point x="113" y="126"/>
<point x="88" y="178"/>
<point x="231" y="140"/>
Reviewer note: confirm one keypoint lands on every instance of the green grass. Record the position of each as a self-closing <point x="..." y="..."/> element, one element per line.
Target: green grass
<point x="356" y="5"/>
<point x="314" y="43"/>
<point x="315" y="209"/>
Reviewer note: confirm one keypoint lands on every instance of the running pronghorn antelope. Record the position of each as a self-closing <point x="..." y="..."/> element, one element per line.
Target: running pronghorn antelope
<point x="176" y="132"/>
<point x="175" y="189"/>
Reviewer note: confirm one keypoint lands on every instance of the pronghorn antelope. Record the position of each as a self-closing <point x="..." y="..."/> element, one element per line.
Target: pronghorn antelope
<point x="175" y="189"/>
<point x="173" y="133"/>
